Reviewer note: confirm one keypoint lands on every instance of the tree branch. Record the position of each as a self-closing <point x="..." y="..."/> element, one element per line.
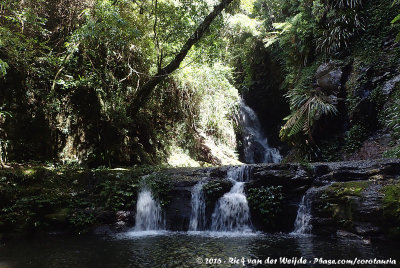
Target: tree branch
<point x="144" y="92"/>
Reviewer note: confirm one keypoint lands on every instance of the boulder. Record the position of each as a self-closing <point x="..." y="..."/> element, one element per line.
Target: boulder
<point x="390" y="85"/>
<point x="331" y="82"/>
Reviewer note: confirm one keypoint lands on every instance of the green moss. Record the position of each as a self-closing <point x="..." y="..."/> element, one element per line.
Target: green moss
<point x="339" y="201"/>
<point x="391" y="201"/>
<point x="351" y="188"/>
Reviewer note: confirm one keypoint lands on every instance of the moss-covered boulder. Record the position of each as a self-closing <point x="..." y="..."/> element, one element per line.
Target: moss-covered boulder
<point x="369" y="208"/>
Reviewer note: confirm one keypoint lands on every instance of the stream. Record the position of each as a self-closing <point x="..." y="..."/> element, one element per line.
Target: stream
<point x="180" y="249"/>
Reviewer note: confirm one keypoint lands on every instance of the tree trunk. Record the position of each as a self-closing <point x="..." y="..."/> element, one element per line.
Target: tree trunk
<point x="144" y="92"/>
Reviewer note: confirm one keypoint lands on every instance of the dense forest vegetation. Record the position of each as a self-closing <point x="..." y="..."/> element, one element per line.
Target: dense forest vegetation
<point x="124" y="82"/>
<point x="97" y="94"/>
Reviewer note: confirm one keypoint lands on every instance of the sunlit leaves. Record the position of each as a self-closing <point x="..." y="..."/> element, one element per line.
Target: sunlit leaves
<point x="307" y="107"/>
<point x="211" y="99"/>
<point x="3" y="68"/>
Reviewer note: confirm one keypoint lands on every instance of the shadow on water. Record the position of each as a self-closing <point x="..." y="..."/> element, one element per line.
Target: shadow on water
<point x="179" y="249"/>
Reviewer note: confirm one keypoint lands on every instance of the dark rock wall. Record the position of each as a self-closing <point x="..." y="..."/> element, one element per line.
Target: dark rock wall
<point x="349" y="197"/>
<point x="264" y="95"/>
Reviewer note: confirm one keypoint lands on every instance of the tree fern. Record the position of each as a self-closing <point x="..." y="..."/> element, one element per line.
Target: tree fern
<point x="307" y="107"/>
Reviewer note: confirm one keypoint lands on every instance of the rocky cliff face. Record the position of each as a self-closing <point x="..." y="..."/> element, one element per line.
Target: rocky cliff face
<point x="356" y="198"/>
<point x="359" y="197"/>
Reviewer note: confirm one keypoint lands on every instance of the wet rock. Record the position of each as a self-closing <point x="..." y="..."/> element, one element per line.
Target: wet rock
<point x="125" y="216"/>
<point x="324" y="69"/>
<point x="329" y="77"/>
<point x="331" y="82"/>
<point x="372" y="148"/>
<point x="390" y="85"/>
<point x="121" y="226"/>
<point x="350" y="236"/>
<point x="179" y="208"/>
<point x="366" y="229"/>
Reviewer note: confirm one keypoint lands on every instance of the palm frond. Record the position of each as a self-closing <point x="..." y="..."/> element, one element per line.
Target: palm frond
<point x="307" y="108"/>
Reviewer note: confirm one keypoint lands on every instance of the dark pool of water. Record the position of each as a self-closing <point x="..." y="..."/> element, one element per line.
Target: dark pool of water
<point x="182" y="250"/>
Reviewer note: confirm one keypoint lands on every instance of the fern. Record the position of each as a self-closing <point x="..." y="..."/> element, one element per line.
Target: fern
<point x="341" y="23"/>
<point x="307" y="107"/>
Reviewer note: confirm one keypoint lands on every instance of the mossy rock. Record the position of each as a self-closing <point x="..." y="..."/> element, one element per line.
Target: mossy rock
<point x="351" y="188"/>
<point x="215" y="189"/>
<point x="391" y="206"/>
<point x="340" y="202"/>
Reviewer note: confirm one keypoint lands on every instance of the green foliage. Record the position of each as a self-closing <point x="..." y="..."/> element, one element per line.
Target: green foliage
<point x="160" y="186"/>
<point x="266" y="201"/>
<point x="295" y="38"/>
<point x="81" y="67"/>
<point x="118" y="194"/>
<point x="391" y="120"/>
<point x="44" y="198"/>
<point x="214" y="189"/>
<point x="354" y="138"/>
<point x="393" y="153"/>
<point x="3" y="67"/>
<point x="330" y="150"/>
<point x="396" y="20"/>
<point x="209" y="101"/>
<point x="339" y="21"/>
<point x="82" y="215"/>
<point x="391" y="208"/>
<point x="308" y="106"/>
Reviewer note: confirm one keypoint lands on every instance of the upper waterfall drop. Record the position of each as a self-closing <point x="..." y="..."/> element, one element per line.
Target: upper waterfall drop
<point x="255" y="143"/>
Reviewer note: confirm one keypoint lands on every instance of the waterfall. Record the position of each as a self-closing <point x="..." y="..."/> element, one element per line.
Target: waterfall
<point x="198" y="216"/>
<point x="148" y="213"/>
<point x="302" y="224"/>
<point x="255" y="144"/>
<point x="232" y="213"/>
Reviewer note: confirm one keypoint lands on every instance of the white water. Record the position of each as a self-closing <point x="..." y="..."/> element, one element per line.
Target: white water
<point x="198" y="216"/>
<point x="302" y="224"/>
<point x="256" y="148"/>
<point x="148" y="213"/>
<point x="232" y="213"/>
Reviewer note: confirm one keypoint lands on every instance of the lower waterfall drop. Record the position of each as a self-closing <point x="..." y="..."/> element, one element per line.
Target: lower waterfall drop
<point x="198" y="216"/>
<point x="148" y="213"/>
<point x="302" y="224"/>
<point x="232" y="213"/>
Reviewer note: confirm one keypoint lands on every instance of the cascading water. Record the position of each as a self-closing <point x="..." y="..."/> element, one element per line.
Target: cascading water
<point x="256" y="148"/>
<point x="198" y="216"/>
<point x="302" y="224"/>
<point x="148" y="213"/>
<point x="232" y="213"/>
